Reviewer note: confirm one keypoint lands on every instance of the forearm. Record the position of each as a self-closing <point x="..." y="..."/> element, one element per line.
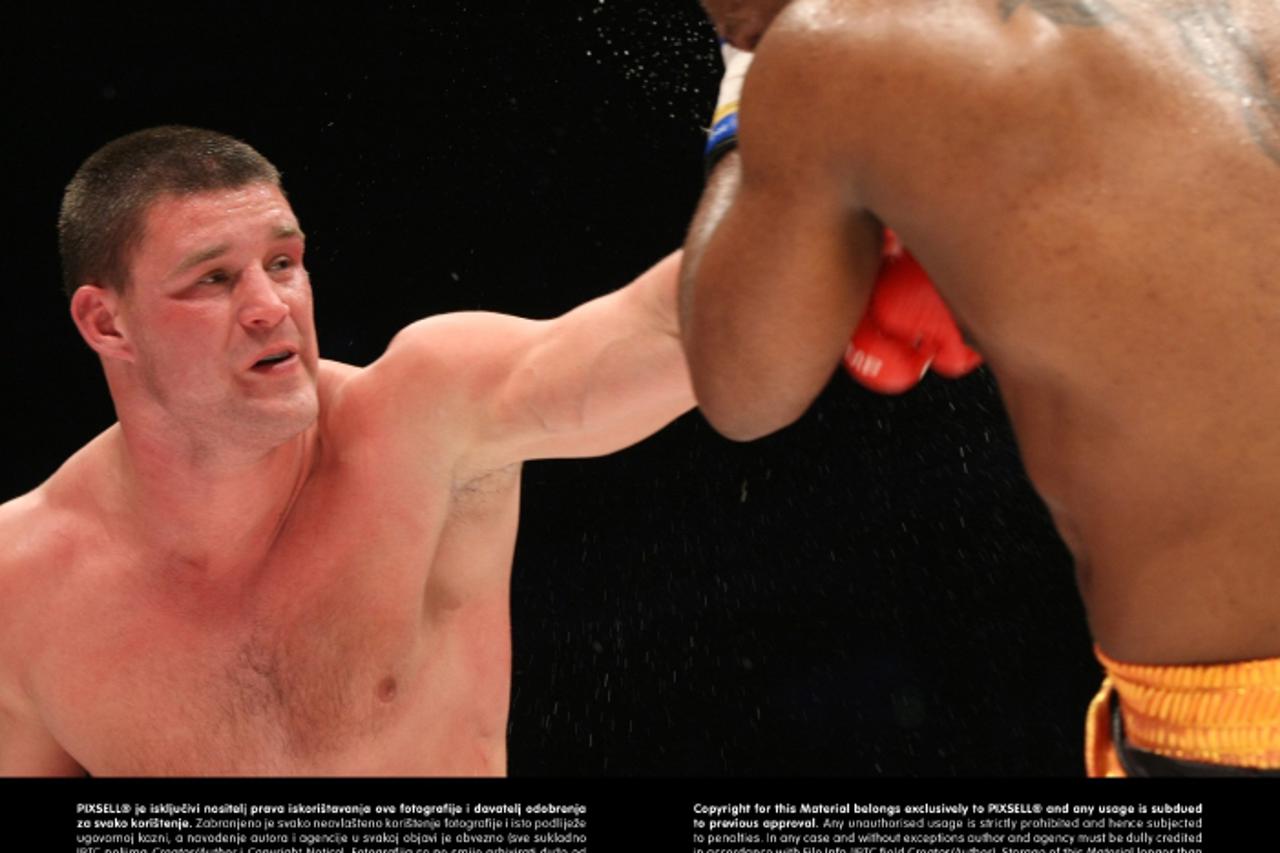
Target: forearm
<point x="644" y="361"/>
<point x="612" y="371"/>
<point x="756" y="344"/>
<point x="710" y="334"/>
<point x="717" y="195"/>
<point x="655" y="295"/>
<point x="772" y="286"/>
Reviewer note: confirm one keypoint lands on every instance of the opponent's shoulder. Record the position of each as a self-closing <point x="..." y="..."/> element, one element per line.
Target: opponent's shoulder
<point x="884" y="93"/>
<point x="920" y="30"/>
<point x="901" y="52"/>
<point x="849" y="77"/>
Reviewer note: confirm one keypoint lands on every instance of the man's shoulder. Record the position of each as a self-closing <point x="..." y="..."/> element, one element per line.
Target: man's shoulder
<point x="40" y="531"/>
<point x="21" y="532"/>
<point x="39" y="542"/>
<point x="45" y="527"/>
<point x="40" y="547"/>
<point x="460" y="354"/>
<point x="435" y="374"/>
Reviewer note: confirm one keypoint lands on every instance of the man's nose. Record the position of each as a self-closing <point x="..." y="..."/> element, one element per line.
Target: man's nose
<point x="261" y="306"/>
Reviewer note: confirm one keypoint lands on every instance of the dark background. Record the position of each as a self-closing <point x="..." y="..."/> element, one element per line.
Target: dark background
<point x="874" y="591"/>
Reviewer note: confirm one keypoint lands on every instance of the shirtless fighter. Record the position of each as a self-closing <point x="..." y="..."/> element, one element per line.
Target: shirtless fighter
<point x="1094" y="186"/>
<point x="276" y="564"/>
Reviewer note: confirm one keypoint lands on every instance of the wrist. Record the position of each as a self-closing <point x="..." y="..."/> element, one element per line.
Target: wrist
<point x="723" y="134"/>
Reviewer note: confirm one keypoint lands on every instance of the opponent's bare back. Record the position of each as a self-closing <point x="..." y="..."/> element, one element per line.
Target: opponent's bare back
<point x="1095" y="189"/>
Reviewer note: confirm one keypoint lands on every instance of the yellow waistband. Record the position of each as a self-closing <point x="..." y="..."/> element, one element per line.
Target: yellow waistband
<point x="1214" y="713"/>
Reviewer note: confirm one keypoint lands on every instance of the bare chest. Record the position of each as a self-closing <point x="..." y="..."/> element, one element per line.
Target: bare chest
<point x="206" y="680"/>
<point x="352" y="649"/>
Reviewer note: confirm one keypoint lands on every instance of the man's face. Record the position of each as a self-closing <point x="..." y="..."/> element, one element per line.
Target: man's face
<point x="218" y="315"/>
<point x="742" y="22"/>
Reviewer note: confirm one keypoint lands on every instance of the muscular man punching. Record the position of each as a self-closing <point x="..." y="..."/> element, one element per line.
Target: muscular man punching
<point x="1094" y="187"/>
<point x="273" y="563"/>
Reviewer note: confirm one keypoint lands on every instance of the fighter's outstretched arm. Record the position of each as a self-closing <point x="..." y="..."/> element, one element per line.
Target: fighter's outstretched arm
<point x="594" y="380"/>
<point x="781" y="256"/>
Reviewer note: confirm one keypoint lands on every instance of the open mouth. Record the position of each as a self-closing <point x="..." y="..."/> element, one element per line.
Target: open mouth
<point x="275" y="361"/>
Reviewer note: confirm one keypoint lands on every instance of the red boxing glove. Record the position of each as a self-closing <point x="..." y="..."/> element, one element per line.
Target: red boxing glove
<point x="906" y="329"/>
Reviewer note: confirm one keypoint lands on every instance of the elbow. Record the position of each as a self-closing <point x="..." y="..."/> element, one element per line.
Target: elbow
<point x="745" y="419"/>
<point x="745" y="402"/>
<point x="740" y="431"/>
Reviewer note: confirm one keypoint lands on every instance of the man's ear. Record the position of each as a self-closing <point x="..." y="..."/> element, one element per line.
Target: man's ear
<point x="96" y="312"/>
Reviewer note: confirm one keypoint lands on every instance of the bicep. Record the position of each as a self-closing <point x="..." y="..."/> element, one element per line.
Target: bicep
<point x="601" y="377"/>
<point x="506" y="389"/>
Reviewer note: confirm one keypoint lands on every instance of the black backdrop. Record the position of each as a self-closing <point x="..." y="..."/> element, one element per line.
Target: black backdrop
<point x="875" y="591"/>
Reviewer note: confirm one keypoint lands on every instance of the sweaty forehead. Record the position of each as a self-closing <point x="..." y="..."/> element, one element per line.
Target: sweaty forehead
<point x="249" y="212"/>
<point x="238" y="205"/>
<point x="181" y="230"/>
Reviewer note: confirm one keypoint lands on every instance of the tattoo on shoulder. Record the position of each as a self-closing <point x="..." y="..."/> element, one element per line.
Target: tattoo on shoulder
<point x="1072" y="13"/>
<point x="1212" y="37"/>
<point x="1224" y="50"/>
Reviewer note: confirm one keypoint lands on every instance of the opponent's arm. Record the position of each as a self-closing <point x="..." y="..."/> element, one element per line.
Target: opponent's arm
<point x="599" y="378"/>
<point x="781" y="256"/>
<point x="906" y="328"/>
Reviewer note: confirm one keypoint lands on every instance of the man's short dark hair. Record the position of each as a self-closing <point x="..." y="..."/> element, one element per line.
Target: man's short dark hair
<point x="104" y="206"/>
